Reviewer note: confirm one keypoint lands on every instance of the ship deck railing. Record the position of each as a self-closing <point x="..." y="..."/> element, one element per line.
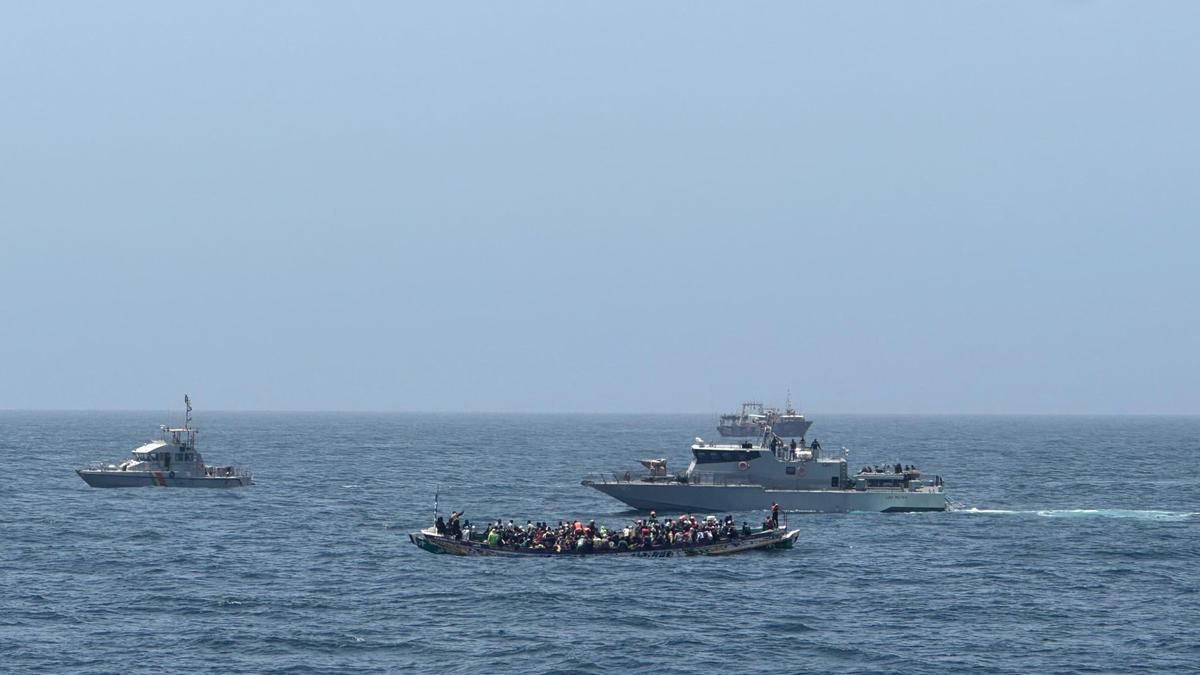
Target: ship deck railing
<point x="640" y="477"/>
<point x="102" y="466"/>
<point x="210" y="471"/>
<point x="237" y="471"/>
<point x="702" y="478"/>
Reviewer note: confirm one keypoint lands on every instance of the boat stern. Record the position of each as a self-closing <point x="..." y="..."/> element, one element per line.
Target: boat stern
<point x="788" y="540"/>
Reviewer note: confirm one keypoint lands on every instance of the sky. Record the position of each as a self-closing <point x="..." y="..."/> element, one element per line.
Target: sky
<point x="919" y="207"/>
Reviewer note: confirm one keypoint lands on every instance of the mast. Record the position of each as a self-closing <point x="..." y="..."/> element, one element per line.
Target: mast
<point x="187" y="422"/>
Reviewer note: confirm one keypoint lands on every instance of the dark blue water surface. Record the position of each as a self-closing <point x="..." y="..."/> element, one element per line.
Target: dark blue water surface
<point x="1077" y="548"/>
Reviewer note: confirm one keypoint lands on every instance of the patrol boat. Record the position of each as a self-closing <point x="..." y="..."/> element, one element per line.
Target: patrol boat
<point x="755" y="418"/>
<point x="171" y="461"/>
<point x="748" y="477"/>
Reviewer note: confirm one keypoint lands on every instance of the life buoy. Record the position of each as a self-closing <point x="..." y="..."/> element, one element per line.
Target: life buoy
<point x="800" y="471"/>
<point x="171" y="474"/>
<point x="743" y="465"/>
<point x="627" y="476"/>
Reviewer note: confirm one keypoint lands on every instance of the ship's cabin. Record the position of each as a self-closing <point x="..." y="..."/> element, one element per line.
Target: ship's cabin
<point x="184" y="437"/>
<point x="777" y="464"/>
<point x="164" y="456"/>
<point x="782" y="451"/>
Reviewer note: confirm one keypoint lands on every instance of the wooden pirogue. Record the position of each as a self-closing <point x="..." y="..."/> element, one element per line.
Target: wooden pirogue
<point x="773" y="537"/>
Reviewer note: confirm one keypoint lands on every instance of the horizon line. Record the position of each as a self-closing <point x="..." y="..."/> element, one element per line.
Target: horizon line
<point x="353" y="411"/>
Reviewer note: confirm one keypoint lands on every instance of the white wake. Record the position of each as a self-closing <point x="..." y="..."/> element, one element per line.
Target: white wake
<point x="1140" y="514"/>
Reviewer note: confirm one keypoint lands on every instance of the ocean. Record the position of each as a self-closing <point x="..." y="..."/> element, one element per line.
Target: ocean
<point x="1074" y="547"/>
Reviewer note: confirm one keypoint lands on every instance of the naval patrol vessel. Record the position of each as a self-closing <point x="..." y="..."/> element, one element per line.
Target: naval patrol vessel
<point x="170" y="461"/>
<point x="749" y="476"/>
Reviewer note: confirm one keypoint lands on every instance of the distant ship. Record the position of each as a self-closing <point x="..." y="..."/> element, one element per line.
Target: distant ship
<point x="755" y="418"/>
<point x="170" y="461"/>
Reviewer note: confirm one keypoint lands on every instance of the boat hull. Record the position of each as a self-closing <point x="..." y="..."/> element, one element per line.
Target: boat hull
<point x="120" y="479"/>
<point x="780" y="537"/>
<point x="664" y="496"/>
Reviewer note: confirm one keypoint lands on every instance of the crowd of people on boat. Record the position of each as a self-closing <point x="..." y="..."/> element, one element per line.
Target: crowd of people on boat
<point x="579" y="537"/>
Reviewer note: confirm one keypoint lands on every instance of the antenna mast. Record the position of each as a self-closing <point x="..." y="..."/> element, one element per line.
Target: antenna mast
<point x="187" y="418"/>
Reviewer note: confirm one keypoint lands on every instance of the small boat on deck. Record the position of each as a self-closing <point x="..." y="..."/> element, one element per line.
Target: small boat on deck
<point x="769" y="537"/>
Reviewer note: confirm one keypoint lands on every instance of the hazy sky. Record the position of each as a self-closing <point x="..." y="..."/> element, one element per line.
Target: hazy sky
<point x="885" y="206"/>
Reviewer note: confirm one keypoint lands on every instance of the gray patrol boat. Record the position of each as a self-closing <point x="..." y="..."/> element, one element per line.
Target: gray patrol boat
<point x="170" y="461"/>
<point x="748" y="477"/>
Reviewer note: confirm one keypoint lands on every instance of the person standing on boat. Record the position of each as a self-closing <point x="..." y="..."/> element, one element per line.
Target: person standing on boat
<point x="774" y="514"/>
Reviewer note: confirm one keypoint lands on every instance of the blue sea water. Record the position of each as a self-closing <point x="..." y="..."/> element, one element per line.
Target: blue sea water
<point x="1076" y="548"/>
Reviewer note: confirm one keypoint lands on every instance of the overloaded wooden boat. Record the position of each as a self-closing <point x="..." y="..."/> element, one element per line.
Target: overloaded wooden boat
<point x="766" y="538"/>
